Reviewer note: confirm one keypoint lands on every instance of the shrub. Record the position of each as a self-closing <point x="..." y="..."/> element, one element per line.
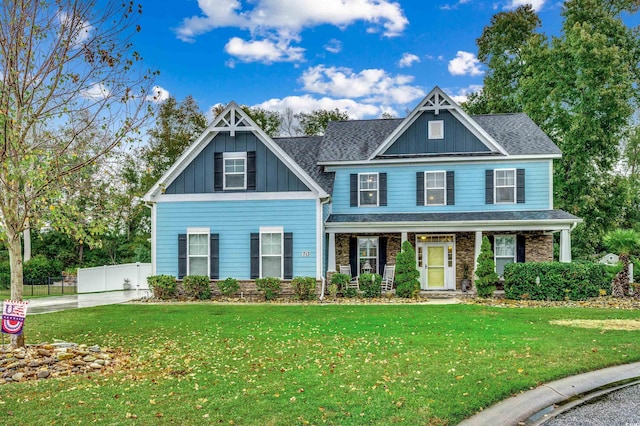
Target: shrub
<point x="228" y="287"/>
<point x="342" y="283"/>
<point x="5" y="280"/>
<point x="370" y="285"/>
<point x="557" y="281"/>
<point x="333" y="290"/>
<point x="304" y="287"/>
<point x="486" y="270"/>
<point x="38" y="269"/>
<point x="197" y="286"/>
<point x="407" y="283"/>
<point x="163" y="286"/>
<point x="270" y="286"/>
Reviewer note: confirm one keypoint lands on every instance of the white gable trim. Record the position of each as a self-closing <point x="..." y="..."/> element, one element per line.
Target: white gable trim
<point x="232" y="119"/>
<point x="436" y="101"/>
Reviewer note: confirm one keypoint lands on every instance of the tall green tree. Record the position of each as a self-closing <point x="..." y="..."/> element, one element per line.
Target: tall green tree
<point x="315" y="123"/>
<point x="62" y="64"/>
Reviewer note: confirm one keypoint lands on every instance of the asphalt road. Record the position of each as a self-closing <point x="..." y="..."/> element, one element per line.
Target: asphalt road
<point x="618" y="408"/>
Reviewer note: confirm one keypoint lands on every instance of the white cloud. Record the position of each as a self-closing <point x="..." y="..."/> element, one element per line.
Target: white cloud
<point x="158" y="94"/>
<point x="283" y="20"/>
<point x="263" y="51"/>
<point x="79" y="29"/>
<point x="333" y="46"/>
<point x="370" y="85"/>
<point x="308" y="103"/>
<point x="96" y="92"/>
<point x="465" y="63"/>
<point x="461" y="94"/>
<point x="407" y="60"/>
<point x="535" y="4"/>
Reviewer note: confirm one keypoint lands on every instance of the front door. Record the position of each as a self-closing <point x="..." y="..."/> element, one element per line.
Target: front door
<point x="435" y="263"/>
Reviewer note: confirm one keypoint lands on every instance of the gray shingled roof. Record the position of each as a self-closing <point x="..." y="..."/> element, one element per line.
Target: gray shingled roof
<point x="517" y="134"/>
<point x="304" y="151"/>
<point x="356" y="140"/>
<point x="525" y="216"/>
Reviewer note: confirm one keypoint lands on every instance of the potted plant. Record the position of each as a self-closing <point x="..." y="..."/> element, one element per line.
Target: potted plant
<point x="465" y="282"/>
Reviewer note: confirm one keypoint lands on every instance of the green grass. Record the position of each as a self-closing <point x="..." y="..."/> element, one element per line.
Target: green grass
<point x="283" y="365"/>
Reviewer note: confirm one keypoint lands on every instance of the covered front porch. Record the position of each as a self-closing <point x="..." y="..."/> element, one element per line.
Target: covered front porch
<point x="446" y="250"/>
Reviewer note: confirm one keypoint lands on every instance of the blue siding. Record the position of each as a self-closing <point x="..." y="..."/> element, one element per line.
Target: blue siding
<point x="469" y="187"/>
<point x="234" y="221"/>
<point x="457" y="137"/>
<point x="272" y="175"/>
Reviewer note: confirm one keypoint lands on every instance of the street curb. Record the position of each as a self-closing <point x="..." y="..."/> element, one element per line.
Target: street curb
<point x="517" y="409"/>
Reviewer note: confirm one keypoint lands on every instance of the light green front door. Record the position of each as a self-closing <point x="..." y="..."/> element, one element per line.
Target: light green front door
<point x="432" y="264"/>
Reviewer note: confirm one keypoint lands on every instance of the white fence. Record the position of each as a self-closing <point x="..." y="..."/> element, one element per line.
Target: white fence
<point x="114" y="277"/>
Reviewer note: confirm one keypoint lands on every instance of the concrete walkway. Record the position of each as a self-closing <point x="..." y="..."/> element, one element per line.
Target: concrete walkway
<point x="518" y="410"/>
<point x="45" y="305"/>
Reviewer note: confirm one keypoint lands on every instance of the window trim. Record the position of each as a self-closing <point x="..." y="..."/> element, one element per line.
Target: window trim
<point x="432" y="135"/>
<point x="377" y="258"/>
<point x="514" y="186"/>
<point x="377" y="190"/>
<point x="271" y="230"/>
<point x="234" y="156"/>
<point x="199" y="231"/>
<point x="513" y="238"/>
<point x="444" y="188"/>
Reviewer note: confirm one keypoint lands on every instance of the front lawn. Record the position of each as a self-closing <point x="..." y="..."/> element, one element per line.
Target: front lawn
<point x="311" y="364"/>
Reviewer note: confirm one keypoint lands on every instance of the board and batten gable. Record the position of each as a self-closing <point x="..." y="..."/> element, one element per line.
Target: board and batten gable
<point x="272" y="175"/>
<point x="457" y="139"/>
<point x="234" y="221"/>
<point x="469" y="186"/>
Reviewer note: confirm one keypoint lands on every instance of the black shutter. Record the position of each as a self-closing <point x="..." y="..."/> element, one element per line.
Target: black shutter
<point x="451" y="188"/>
<point x="218" y="171"/>
<point x="493" y="244"/>
<point x="488" y="185"/>
<point x="251" y="171"/>
<point x="353" y="255"/>
<point x="382" y="254"/>
<point x="214" y="256"/>
<point x="520" y="249"/>
<point x="520" y="185"/>
<point x="382" y="185"/>
<point x="353" y="180"/>
<point x="419" y="188"/>
<point x="182" y="255"/>
<point x="288" y="255"/>
<point x="255" y="255"/>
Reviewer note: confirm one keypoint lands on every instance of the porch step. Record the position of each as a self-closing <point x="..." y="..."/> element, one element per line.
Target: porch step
<point x="445" y="294"/>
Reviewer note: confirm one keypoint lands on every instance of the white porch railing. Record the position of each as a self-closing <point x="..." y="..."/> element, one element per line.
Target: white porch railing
<point x="114" y="277"/>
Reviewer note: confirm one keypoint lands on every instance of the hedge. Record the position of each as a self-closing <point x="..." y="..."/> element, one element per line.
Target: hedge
<point x="557" y="281"/>
<point x="163" y="286"/>
<point x="197" y="286"/>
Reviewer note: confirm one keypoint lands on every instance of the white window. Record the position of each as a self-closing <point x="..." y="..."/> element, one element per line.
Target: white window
<point x="505" y="185"/>
<point x="368" y="255"/>
<point x="436" y="129"/>
<point x="235" y="170"/>
<point x="271" y="250"/>
<point x="435" y="188"/>
<point x="368" y="189"/>
<point x="198" y="251"/>
<point x="505" y="251"/>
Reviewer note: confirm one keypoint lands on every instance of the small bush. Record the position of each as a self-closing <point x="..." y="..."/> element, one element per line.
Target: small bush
<point x="5" y="280"/>
<point x="38" y="269"/>
<point x="486" y="270"/>
<point x="270" y="286"/>
<point x="557" y="281"/>
<point x="370" y="285"/>
<point x="304" y="287"/>
<point x="228" y="287"/>
<point x="342" y="282"/>
<point x="333" y="291"/>
<point x="163" y="286"/>
<point x="407" y="283"/>
<point x="197" y="286"/>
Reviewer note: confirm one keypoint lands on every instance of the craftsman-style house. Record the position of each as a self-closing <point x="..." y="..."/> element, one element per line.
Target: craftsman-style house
<point x="241" y="204"/>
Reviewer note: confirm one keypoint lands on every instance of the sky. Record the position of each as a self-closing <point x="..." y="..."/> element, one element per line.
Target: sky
<point x="365" y="57"/>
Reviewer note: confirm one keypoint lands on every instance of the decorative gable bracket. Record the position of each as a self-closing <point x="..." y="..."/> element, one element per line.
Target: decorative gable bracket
<point x="436" y="102"/>
<point x="231" y="122"/>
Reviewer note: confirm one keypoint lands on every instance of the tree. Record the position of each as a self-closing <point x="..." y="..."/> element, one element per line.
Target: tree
<point x="316" y="122"/>
<point x="486" y="270"/>
<point x="624" y="242"/>
<point x="407" y="283"/>
<point x="177" y="125"/>
<point x="64" y="64"/>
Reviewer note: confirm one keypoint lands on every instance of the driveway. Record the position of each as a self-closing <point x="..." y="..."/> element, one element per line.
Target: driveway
<point x="45" y="305"/>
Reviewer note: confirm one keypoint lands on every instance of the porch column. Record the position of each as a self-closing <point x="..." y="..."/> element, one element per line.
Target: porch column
<point x="404" y="237"/>
<point x="478" y="246"/>
<point x="331" y="253"/>
<point x="565" y="246"/>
